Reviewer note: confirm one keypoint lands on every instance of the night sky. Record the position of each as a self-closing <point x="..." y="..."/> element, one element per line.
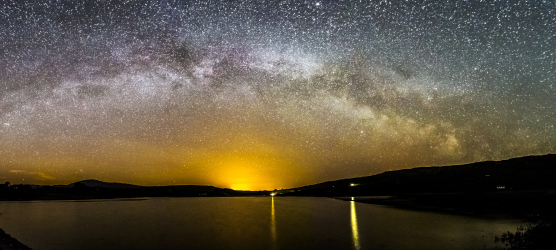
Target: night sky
<point x="269" y="94"/>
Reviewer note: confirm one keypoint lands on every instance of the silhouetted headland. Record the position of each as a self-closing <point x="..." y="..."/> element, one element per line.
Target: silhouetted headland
<point x="520" y="187"/>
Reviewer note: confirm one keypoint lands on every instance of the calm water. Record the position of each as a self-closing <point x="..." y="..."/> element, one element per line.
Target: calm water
<point x="240" y="223"/>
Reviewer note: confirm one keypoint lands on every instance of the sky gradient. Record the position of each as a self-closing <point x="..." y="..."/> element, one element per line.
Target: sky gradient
<point x="269" y="94"/>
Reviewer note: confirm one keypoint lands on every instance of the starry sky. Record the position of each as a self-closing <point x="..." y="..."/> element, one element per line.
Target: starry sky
<point x="269" y="94"/>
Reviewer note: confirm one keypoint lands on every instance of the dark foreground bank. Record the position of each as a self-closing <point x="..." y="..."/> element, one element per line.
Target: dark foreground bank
<point x="7" y="242"/>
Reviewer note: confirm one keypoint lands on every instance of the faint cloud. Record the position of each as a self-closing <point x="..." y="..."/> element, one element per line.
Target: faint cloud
<point x="44" y="176"/>
<point x="35" y="175"/>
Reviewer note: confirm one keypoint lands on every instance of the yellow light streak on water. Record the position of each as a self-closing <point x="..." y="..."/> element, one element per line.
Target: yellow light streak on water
<point x="273" y="224"/>
<point x="354" y="229"/>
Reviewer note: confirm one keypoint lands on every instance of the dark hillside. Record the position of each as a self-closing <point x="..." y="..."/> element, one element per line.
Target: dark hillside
<point x="525" y="173"/>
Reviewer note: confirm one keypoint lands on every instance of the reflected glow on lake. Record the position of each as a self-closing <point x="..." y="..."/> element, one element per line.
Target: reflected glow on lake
<point x="273" y="224"/>
<point x="241" y="223"/>
<point x="354" y="229"/>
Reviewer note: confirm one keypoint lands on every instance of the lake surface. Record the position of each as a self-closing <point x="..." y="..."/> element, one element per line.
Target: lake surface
<point x="240" y="223"/>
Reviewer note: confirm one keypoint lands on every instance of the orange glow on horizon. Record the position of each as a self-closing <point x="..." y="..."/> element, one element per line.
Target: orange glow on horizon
<point x="245" y="173"/>
<point x="241" y="187"/>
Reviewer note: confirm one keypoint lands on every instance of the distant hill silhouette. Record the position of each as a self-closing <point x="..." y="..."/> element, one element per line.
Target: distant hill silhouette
<point x="524" y="173"/>
<point x="95" y="189"/>
<point x="100" y="184"/>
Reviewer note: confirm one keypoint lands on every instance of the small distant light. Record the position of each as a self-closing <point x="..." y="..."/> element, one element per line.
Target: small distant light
<point x="353" y="184"/>
<point x="352" y="198"/>
<point x="272" y="194"/>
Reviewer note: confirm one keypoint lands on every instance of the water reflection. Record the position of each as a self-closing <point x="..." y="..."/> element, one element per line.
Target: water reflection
<point x="273" y="224"/>
<point x="354" y="229"/>
<point x="305" y="223"/>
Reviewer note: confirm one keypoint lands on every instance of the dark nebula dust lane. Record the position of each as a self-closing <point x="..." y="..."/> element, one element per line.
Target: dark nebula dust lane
<point x="269" y="94"/>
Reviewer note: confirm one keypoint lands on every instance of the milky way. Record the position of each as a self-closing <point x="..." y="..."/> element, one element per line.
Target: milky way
<point x="270" y="94"/>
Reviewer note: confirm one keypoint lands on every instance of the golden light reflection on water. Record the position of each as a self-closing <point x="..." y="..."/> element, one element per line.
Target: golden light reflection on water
<point x="273" y="224"/>
<point x="354" y="229"/>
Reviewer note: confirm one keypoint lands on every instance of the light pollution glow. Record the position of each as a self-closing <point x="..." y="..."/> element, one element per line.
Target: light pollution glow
<point x="257" y="95"/>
